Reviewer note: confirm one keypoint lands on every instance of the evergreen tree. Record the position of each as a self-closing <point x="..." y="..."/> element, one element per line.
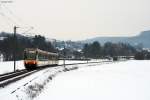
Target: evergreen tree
<point x="95" y="50"/>
<point x="86" y="50"/>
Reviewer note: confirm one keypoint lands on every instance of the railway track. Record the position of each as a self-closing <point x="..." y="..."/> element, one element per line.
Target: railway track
<point x="12" y="74"/>
<point x="8" y="78"/>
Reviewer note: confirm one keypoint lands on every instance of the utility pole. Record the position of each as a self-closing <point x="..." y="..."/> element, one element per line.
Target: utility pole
<point x="15" y="44"/>
<point x="55" y="43"/>
<point x="64" y="56"/>
<point x="15" y="47"/>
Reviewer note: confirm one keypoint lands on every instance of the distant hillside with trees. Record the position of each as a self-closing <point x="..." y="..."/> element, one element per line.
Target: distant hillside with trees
<point x="142" y="40"/>
<point x="72" y="50"/>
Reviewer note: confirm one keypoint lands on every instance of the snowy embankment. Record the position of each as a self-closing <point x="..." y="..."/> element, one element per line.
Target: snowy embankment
<point x="118" y="81"/>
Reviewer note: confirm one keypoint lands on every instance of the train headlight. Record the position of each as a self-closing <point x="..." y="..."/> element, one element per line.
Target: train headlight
<point x="26" y="62"/>
<point x="34" y="62"/>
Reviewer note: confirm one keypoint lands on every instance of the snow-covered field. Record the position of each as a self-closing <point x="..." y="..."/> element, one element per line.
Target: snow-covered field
<point x="8" y="66"/>
<point x="127" y="80"/>
<point x="118" y="81"/>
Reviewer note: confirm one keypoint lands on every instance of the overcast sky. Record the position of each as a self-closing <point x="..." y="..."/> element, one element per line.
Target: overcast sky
<point x="77" y="19"/>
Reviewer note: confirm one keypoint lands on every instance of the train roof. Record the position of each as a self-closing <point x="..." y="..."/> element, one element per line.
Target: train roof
<point x="41" y="51"/>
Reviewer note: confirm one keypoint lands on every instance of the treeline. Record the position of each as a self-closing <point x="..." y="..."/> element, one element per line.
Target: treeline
<point x="7" y="45"/>
<point x="93" y="50"/>
<point x="142" y="55"/>
<point x="96" y="50"/>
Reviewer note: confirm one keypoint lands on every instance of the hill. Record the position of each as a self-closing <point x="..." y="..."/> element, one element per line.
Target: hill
<point x="142" y="39"/>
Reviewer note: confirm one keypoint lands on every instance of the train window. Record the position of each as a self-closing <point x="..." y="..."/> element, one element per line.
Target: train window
<point x="50" y="57"/>
<point x="29" y="56"/>
<point x="25" y="55"/>
<point x="40" y="56"/>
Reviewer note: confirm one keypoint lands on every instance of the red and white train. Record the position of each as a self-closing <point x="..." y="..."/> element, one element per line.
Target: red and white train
<point x="34" y="58"/>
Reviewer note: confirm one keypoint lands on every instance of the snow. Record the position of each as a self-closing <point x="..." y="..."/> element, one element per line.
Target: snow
<point x="125" y="80"/>
<point x="6" y="92"/>
<point x="81" y="61"/>
<point x="8" y="66"/>
<point x="118" y="81"/>
<point x="21" y="89"/>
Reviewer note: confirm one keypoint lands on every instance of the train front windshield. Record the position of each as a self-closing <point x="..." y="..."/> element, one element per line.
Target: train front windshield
<point x="30" y="55"/>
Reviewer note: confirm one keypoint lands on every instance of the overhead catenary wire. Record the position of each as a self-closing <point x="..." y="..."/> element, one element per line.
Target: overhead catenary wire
<point x="21" y="21"/>
<point x="3" y="15"/>
<point x="18" y="19"/>
<point x="31" y="28"/>
<point x="7" y="10"/>
<point x="4" y="20"/>
<point x="12" y="20"/>
<point x="11" y="13"/>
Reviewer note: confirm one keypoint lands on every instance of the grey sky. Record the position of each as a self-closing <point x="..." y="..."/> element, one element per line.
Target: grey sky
<point x="80" y="19"/>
